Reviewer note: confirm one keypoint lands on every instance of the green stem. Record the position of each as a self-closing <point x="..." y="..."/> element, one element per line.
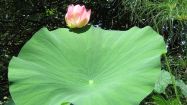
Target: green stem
<point x="172" y="78"/>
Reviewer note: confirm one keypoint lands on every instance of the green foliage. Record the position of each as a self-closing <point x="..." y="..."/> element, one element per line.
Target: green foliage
<point x="182" y="86"/>
<point x="51" y="11"/>
<point x="166" y="12"/>
<point x="159" y="100"/>
<point x="86" y="67"/>
<point x="179" y="65"/>
<point x="157" y="13"/>
<point x="163" y="81"/>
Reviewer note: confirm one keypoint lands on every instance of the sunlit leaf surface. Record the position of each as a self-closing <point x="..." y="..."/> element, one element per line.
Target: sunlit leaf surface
<point x="94" y="67"/>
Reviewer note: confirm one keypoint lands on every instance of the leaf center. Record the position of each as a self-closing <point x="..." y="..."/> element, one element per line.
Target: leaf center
<point x="91" y="82"/>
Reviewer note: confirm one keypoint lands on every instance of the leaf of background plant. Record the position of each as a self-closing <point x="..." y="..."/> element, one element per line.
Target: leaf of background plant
<point x="182" y="86"/>
<point x="163" y="81"/>
<point x="159" y="100"/>
<point x="95" y="67"/>
<point x="10" y="102"/>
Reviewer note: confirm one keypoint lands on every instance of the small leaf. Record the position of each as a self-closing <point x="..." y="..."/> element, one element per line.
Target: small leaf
<point x="182" y="86"/>
<point x="163" y="81"/>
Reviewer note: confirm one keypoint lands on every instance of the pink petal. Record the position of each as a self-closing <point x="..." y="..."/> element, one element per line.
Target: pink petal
<point x="78" y="10"/>
<point x="69" y="11"/>
<point x="83" y="20"/>
<point x="70" y="8"/>
<point x="88" y="14"/>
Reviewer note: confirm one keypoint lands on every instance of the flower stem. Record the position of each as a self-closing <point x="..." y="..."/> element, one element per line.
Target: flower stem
<point x="172" y="78"/>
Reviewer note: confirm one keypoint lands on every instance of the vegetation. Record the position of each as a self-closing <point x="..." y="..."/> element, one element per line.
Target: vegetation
<point x="19" y="19"/>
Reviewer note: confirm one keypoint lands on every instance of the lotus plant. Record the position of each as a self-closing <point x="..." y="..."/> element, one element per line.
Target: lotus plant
<point x="96" y="67"/>
<point x="77" y="16"/>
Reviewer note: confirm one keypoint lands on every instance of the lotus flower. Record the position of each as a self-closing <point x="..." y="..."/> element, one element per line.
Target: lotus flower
<point x="77" y="16"/>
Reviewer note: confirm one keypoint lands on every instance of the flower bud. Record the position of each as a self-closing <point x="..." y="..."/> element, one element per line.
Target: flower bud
<point x="77" y="16"/>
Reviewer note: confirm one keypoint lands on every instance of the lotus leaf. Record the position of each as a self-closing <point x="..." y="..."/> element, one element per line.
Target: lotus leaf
<point x="94" y="67"/>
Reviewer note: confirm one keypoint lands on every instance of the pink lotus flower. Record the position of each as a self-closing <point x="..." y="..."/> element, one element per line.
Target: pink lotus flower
<point x="77" y="16"/>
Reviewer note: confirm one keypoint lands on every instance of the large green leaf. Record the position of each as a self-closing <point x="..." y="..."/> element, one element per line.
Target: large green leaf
<point x="95" y="67"/>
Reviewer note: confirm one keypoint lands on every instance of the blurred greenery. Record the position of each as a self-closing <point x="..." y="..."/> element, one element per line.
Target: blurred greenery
<point x="19" y="19"/>
<point x="159" y="100"/>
